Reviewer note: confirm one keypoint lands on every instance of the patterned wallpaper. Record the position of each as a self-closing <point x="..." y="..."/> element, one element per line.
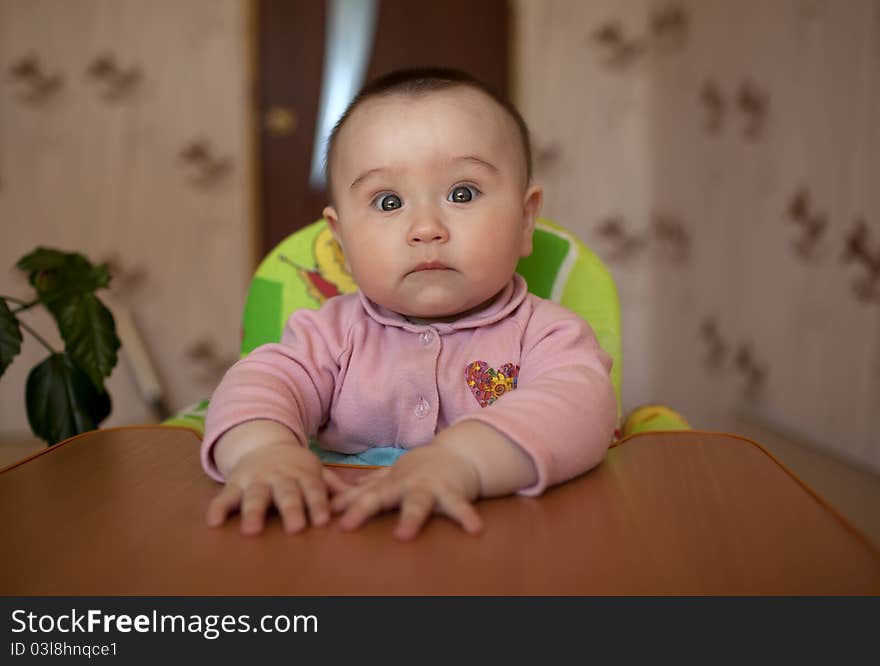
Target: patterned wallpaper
<point x="722" y="157"/>
<point x="123" y="135"/>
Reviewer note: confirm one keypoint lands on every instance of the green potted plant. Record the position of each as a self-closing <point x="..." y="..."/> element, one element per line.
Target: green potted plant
<point x="65" y="393"/>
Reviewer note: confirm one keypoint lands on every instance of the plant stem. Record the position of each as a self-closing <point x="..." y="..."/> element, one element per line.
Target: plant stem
<point x="26" y="306"/>
<point x="37" y="336"/>
<point x="17" y="301"/>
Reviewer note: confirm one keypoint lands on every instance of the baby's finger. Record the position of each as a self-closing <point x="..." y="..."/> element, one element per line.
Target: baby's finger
<point x="462" y="511"/>
<point x="224" y="503"/>
<point x="373" y="475"/>
<point x="415" y="508"/>
<point x="316" y="499"/>
<point x="255" y="503"/>
<point x="344" y="499"/>
<point x="367" y="483"/>
<point x="288" y="500"/>
<point x="334" y="481"/>
<point x="366" y="504"/>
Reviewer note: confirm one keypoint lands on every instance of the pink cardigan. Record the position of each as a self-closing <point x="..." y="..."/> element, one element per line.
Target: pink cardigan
<point x="357" y="375"/>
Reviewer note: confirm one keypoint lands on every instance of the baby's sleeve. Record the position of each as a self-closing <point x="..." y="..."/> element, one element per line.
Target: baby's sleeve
<point x="564" y="410"/>
<point x="291" y="382"/>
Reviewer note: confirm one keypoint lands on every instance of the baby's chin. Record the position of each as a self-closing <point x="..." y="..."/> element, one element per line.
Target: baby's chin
<point x="434" y="312"/>
<point x="439" y="302"/>
<point x="443" y="312"/>
<point x="429" y="315"/>
<point x="431" y="302"/>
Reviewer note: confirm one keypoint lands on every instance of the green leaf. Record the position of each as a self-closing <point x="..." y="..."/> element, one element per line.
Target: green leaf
<point x="89" y="334"/>
<point x="62" y="401"/>
<point x="10" y="336"/>
<point x="56" y="274"/>
<point x="65" y="283"/>
<point x="42" y="259"/>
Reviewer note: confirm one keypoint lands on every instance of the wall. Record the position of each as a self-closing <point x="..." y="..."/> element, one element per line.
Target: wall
<point x="590" y="130"/>
<point x="722" y="157"/>
<point x="92" y="160"/>
<point x="719" y="155"/>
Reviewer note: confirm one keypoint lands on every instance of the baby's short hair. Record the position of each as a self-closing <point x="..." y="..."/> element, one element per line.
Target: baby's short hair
<point x="423" y="80"/>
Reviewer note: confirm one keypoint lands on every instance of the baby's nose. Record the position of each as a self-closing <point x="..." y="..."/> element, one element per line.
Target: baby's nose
<point x="428" y="229"/>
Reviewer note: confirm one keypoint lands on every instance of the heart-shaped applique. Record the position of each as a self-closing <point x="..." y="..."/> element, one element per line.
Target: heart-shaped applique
<point x="488" y="384"/>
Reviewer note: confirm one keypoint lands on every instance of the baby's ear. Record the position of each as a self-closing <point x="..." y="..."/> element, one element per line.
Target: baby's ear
<point x="532" y="203"/>
<point x="332" y="219"/>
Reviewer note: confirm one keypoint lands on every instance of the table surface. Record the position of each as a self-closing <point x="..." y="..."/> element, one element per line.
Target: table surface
<point x="121" y="512"/>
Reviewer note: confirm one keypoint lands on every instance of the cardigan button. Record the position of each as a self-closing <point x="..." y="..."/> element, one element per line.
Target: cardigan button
<point x="422" y="408"/>
<point x="427" y="337"/>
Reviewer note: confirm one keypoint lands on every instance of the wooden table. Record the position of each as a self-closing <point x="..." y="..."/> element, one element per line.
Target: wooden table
<point x="121" y="512"/>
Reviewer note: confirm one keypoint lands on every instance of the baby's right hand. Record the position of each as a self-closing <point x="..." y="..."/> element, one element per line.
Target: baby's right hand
<point x="285" y="474"/>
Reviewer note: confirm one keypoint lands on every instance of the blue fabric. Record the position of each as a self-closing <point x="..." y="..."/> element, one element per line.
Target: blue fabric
<point x="379" y="456"/>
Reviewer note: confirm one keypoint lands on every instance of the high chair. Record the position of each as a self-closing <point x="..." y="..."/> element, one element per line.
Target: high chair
<point x="308" y="267"/>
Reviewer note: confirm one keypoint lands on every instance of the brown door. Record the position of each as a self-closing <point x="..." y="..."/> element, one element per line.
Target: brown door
<point x="467" y="34"/>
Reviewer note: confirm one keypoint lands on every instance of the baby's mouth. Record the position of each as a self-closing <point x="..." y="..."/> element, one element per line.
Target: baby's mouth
<point x="429" y="266"/>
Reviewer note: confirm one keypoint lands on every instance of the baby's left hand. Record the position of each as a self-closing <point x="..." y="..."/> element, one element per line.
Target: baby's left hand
<point x="429" y="479"/>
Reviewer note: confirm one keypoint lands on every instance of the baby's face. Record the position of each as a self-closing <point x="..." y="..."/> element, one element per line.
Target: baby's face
<point x="432" y="208"/>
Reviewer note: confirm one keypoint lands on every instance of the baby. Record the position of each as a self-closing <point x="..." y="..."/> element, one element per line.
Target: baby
<point x="433" y="206"/>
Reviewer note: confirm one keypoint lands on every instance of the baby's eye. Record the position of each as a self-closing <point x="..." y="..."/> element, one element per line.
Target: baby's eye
<point x="463" y="194"/>
<point x="387" y="202"/>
